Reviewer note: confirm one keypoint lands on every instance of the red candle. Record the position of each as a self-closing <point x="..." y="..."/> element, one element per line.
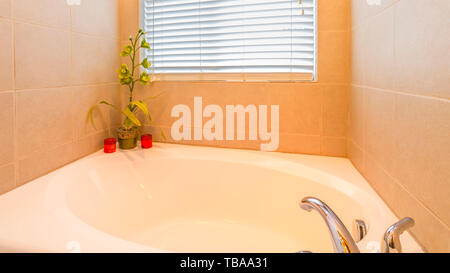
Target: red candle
<point x="146" y="141"/>
<point x="109" y="145"/>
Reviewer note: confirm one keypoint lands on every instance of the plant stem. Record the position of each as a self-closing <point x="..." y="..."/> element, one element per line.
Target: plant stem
<point x="133" y="68"/>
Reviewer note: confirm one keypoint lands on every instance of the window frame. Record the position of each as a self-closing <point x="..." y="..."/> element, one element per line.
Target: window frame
<point x="236" y="77"/>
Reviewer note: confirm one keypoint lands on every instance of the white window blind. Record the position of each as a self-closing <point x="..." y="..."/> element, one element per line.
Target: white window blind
<point x="229" y="39"/>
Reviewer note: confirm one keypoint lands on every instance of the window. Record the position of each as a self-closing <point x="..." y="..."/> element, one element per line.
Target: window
<point x="242" y="40"/>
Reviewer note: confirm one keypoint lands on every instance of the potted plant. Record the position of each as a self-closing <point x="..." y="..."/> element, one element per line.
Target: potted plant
<point x="128" y="132"/>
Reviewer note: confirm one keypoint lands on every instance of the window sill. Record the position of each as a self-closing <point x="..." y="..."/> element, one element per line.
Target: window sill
<point x="235" y="77"/>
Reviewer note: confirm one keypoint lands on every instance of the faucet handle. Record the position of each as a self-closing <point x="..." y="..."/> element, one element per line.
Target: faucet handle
<point x="391" y="239"/>
<point x="359" y="230"/>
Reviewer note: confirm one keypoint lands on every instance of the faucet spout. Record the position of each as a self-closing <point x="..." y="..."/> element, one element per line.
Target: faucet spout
<point x="342" y="240"/>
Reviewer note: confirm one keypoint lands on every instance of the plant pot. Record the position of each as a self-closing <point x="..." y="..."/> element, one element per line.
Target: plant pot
<point x="127" y="138"/>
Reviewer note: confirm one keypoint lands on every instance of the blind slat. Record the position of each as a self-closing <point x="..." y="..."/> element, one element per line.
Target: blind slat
<point x="231" y="55"/>
<point x="230" y="36"/>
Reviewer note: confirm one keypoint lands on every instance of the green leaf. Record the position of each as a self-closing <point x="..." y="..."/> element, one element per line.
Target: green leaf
<point x="127" y="51"/>
<point x="144" y="78"/>
<point x="126" y="112"/>
<point x="145" y="44"/>
<point x="90" y="116"/>
<point x="131" y="116"/>
<point x="111" y="105"/>
<point x="162" y="133"/>
<point x="124" y="72"/>
<point x="125" y="81"/>
<point x="143" y="106"/>
<point x="154" y="97"/>
<point x="145" y="63"/>
<point x="128" y="124"/>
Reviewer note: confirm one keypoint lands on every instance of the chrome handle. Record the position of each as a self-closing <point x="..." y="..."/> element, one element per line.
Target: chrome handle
<point x="359" y="230"/>
<point x="341" y="237"/>
<point x="391" y="239"/>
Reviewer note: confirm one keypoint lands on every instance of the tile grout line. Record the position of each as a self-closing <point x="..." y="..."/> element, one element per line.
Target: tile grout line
<point x="403" y="93"/>
<point x="322" y="119"/>
<point x="394" y="51"/>
<point x="62" y="29"/>
<point x="115" y="83"/>
<point x="15" y="98"/>
<point x="369" y="18"/>
<point x="70" y="76"/>
<point x="66" y="86"/>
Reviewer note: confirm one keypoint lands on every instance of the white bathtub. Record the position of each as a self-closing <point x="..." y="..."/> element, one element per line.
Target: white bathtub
<point x="175" y="198"/>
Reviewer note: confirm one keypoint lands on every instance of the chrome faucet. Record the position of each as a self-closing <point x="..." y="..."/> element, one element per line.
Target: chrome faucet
<point x="342" y="239"/>
<point x="391" y="239"/>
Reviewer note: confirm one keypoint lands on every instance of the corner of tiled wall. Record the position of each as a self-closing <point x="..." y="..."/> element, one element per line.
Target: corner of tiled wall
<point x="399" y="136"/>
<point x="57" y="61"/>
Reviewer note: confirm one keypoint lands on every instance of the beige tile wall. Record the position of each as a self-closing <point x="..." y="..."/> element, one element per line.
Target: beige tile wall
<point x="56" y="61"/>
<point x="399" y="136"/>
<point x="313" y="116"/>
